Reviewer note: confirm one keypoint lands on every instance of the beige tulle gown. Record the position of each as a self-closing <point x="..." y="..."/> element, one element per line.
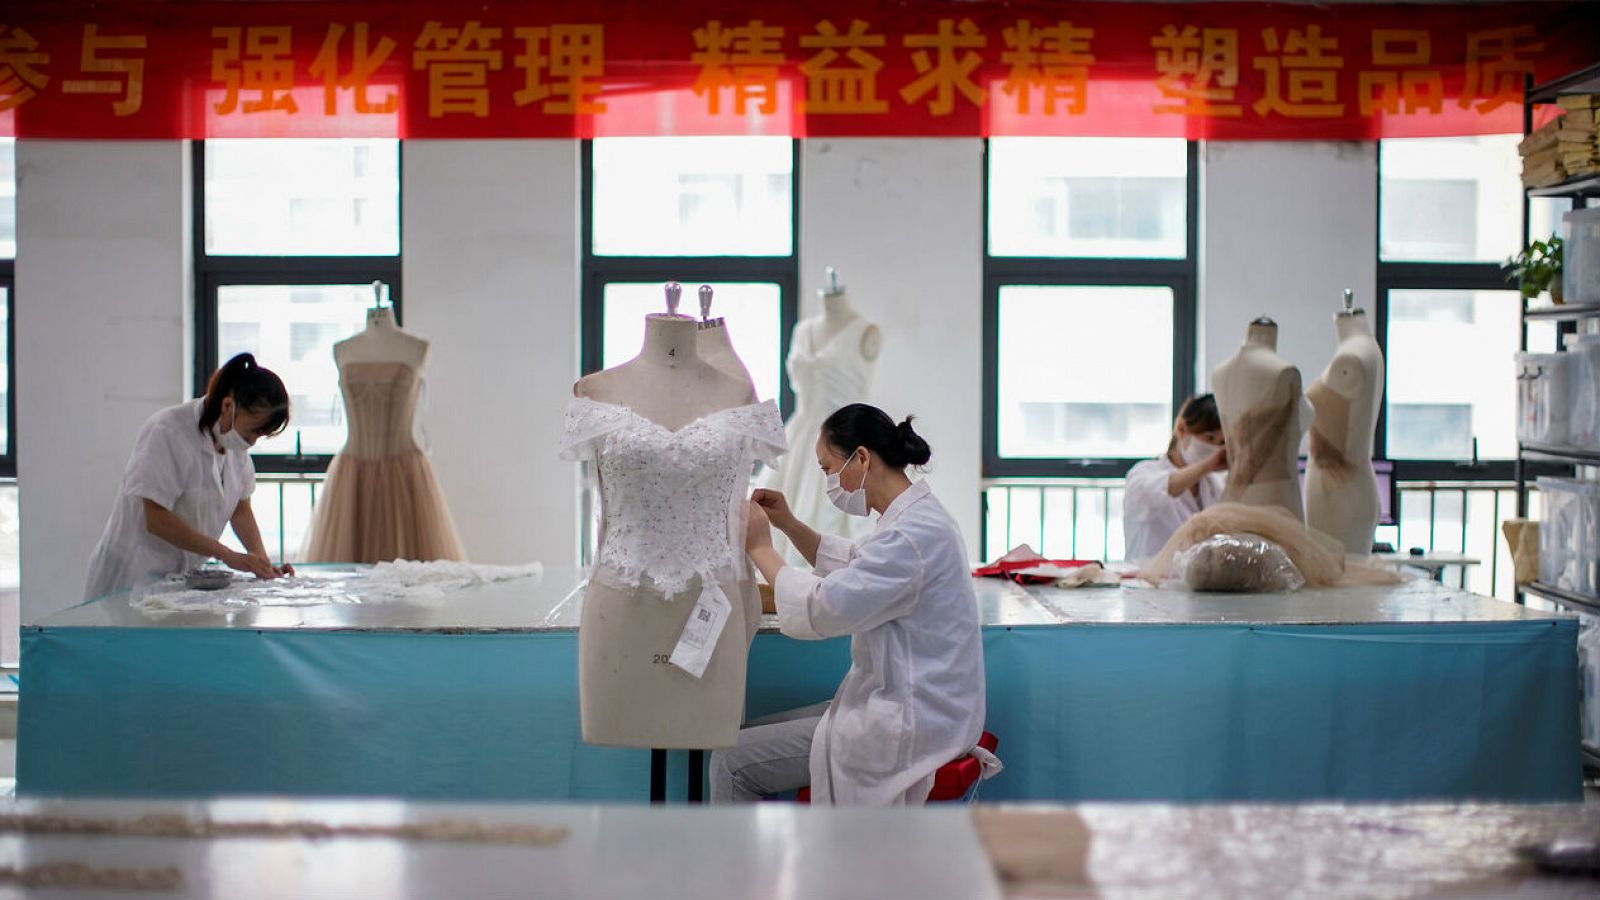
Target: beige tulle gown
<point x="381" y="501"/>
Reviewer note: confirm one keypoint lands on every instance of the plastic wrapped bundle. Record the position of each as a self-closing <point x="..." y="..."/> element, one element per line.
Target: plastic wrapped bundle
<point x="1237" y="563"/>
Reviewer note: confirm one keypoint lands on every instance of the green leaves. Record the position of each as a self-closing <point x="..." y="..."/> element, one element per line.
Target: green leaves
<point x="1536" y="267"/>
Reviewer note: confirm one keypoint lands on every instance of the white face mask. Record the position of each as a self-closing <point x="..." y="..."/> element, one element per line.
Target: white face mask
<point x="1197" y="451"/>
<point x="231" y="440"/>
<point x="851" y="503"/>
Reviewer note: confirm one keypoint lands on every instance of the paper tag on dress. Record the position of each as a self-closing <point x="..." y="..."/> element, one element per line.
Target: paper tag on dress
<point x="700" y="633"/>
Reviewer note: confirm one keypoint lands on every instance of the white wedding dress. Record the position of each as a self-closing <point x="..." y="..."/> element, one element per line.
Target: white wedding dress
<point x="672" y="502"/>
<point x="824" y="377"/>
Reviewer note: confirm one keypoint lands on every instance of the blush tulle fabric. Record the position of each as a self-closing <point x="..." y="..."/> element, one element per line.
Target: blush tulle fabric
<point x="381" y="500"/>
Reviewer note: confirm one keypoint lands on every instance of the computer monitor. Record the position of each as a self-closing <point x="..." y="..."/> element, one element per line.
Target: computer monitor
<point x="1388" y="492"/>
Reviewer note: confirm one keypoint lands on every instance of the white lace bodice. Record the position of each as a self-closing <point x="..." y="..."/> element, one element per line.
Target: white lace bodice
<point x="671" y="502"/>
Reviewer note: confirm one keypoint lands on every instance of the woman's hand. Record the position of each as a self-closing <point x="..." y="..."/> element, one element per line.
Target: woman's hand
<point x="254" y="564"/>
<point x="1219" y="460"/>
<point x="286" y="570"/>
<point x="758" y="531"/>
<point x="776" y="507"/>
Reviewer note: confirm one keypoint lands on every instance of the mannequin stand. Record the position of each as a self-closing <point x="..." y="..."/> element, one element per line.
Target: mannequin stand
<point x="658" y="776"/>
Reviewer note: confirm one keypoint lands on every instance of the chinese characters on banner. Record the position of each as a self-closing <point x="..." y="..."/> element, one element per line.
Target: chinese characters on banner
<point x="429" y="69"/>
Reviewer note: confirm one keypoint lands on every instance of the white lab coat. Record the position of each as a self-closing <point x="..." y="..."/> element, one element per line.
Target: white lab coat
<point x="173" y="464"/>
<point x="1150" y="516"/>
<point x="913" y="699"/>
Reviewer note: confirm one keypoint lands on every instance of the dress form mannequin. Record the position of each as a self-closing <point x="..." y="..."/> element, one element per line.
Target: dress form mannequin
<point x="1264" y="416"/>
<point x="380" y="500"/>
<point x="714" y="343"/>
<point x="629" y="694"/>
<point x="831" y="358"/>
<point x="1341" y="490"/>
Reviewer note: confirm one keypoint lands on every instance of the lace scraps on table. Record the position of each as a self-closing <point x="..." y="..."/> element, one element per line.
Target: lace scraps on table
<point x="427" y="584"/>
<point x="177" y="826"/>
<point x="78" y="876"/>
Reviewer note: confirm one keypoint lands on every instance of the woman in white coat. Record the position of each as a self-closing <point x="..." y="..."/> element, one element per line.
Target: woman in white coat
<point x="913" y="699"/>
<point x="1162" y="493"/>
<point x="190" y="476"/>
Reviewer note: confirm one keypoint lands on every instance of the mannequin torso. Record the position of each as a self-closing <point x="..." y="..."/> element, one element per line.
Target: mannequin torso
<point x="382" y="341"/>
<point x="629" y="693"/>
<point x="668" y="382"/>
<point x="1341" y="490"/>
<point x="837" y="315"/>
<point x="716" y="347"/>
<point x="1264" y="416"/>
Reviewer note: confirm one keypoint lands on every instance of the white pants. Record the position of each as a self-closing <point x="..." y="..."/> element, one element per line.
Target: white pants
<point x="773" y="756"/>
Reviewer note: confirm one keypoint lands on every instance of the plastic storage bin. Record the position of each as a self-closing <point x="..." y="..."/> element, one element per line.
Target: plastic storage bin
<point x="1583" y="391"/>
<point x="1569" y="535"/>
<point x="1589" y="671"/>
<point x="1543" y="404"/>
<point x="1580" y="256"/>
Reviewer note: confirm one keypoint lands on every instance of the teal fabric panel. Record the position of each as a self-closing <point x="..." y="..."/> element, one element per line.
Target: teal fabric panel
<point x="1184" y="713"/>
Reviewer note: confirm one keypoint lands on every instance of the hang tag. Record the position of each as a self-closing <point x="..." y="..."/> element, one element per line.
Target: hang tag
<point x="700" y="633"/>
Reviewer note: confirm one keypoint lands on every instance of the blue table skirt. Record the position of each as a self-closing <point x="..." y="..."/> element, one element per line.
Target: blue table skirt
<point x="1137" y="712"/>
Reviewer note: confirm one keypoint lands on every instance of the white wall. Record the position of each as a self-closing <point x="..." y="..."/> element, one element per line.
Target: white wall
<point x="1286" y="228"/>
<point x="102" y="326"/>
<point x="491" y="278"/>
<point x="901" y="219"/>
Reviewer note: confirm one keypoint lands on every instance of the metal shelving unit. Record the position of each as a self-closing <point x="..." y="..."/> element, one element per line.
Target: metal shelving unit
<point x="1567" y="316"/>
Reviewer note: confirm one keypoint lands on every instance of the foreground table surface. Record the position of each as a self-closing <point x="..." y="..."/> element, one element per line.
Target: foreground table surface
<point x="783" y="850"/>
<point x="1309" y="851"/>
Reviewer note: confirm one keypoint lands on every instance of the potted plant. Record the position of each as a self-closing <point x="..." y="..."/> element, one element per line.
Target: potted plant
<point x="1538" y="267"/>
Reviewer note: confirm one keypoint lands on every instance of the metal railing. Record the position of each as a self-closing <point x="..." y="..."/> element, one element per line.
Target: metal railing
<point x="1082" y="519"/>
<point x="283" y="504"/>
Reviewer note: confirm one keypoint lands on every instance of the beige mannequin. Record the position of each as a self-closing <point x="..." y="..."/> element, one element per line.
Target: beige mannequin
<point x="629" y="695"/>
<point x="1264" y="416"/>
<point x="837" y="315"/>
<point x="1341" y="490"/>
<point x="715" y="345"/>
<point x="382" y="341"/>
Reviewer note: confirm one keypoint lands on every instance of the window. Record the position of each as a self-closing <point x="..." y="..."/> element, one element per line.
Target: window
<point x="290" y="236"/>
<point x="1449" y="213"/>
<point x="695" y="210"/>
<point x="10" y="550"/>
<point x="1086" y="236"/>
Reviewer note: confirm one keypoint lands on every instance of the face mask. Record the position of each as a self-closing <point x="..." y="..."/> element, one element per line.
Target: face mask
<point x="232" y="441"/>
<point x="851" y="503"/>
<point x="1197" y="451"/>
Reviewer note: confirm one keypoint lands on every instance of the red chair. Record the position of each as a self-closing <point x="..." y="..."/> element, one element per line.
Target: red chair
<point x="952" y="781"/>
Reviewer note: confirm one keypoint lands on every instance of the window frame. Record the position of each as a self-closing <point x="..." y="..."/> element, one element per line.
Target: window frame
<point x="211" y="273"/>
<point x="8" y="281"/>
<point x="1440" y="276"/>
<point x="599" y="271"/>
<point x="1180" y="275"/>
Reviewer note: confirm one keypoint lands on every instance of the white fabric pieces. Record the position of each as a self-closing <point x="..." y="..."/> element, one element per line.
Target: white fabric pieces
<point x="824" y="378"/>
<point x="174" y="465"/>
<point x="1150" y="515"/>
<point x="672" y="502"/>
<point x="401" y="581"/>
<point x="913" y="699"/>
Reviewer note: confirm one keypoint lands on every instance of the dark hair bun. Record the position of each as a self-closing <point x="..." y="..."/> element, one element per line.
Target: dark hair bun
<point x="860" y="425"/>
<point x="914" y="450"/>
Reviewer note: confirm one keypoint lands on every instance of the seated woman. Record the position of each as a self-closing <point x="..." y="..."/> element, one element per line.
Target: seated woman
<point x="913" y="699"/>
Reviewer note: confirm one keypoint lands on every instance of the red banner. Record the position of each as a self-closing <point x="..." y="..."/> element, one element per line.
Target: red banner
<point x="437" y="69"/>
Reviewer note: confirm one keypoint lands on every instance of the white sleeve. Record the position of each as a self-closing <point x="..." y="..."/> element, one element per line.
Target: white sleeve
<point x="1145" y="494"/>
<point x="155" y="472"/>
<point x="833" y="554"/>
<point x="882" y="582"/>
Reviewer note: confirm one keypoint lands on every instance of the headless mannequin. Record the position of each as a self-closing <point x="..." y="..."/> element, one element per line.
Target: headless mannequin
<point x="627" y="694"/>
<point x="1264" y="416"/>
<point x="382" y="341"/>
<point x="837" y="315"/>
<point x="1341" y="490"/>
<point x="715" y="345"/>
